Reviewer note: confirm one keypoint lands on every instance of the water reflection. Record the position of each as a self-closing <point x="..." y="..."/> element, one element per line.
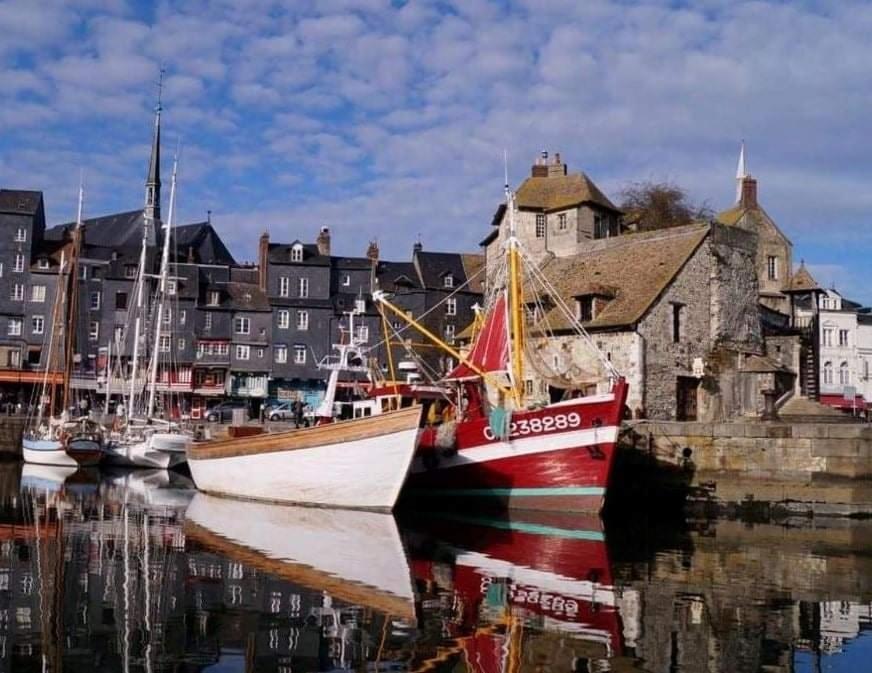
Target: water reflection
<point x="134" y="571"/>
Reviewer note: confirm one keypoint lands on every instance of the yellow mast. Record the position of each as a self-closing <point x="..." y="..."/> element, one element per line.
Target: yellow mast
<point x="516" y="300"/>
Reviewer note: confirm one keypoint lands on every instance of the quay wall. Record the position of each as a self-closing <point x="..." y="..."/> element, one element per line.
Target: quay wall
<point x="11" y="428"/>
<point x="803" y="468"/>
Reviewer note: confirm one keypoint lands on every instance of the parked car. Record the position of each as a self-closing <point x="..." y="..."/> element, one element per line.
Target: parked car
<point x="284" y="411"/>
<point x="224" y="411"/>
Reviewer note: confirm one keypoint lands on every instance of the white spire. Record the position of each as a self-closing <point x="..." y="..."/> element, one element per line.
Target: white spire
<point x="741" y="172"/>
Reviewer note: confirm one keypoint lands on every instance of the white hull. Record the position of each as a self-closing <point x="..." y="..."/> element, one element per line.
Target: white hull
<point x="354" y="556"/>
<point x="366" y="473"/>
<point x="46" y="452"/>
<point x="49" y="478"/>
<point x="162" y="450"/>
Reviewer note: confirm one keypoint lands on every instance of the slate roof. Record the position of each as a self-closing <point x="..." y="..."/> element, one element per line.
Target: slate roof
<point x="280" y="253"/>
<point x="802" y="281"/>
<point x="20" y="201"/>
<point x="434" y="266"/>
<point x="637" y="268"/>
<point x="388" y="273"/>
<point x="203" y="241"/>
<point x="473" y="267"/>
<point x="244" y="274"/>
<point x="117" y="230"/>
<point x="246" y="297"/>
<point x="361" y="263"/>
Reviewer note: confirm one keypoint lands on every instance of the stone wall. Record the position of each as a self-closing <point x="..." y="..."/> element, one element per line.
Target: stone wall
<point x="825" y="468"/>
<point x="11" y="428"/>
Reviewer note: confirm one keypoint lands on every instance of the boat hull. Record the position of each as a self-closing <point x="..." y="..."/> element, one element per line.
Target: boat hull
<point x="160" y="450"/>
<point x="557" y="458"/>
<point x="81" y="452"/>
<point x="360" y="463"/>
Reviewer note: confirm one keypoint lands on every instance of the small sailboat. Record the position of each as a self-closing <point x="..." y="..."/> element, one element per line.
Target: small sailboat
<point x="357" y="463"/>
<point x="147" y="440"/>
<point x="52" y="436"/>
<point x="500" y="445"/>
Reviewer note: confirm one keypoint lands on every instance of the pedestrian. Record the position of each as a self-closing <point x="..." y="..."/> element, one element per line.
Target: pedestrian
<point x="298" y="412"/>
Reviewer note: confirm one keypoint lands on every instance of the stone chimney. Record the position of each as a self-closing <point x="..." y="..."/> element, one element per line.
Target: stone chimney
<point x="749" y="192"/>
<point x="323" y="242"/>
<point x="263" y="260"/>
<point x="548" y="168"/>
<point x="372" y="251"/>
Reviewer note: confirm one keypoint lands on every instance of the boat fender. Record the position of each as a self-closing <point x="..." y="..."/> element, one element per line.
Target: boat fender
<point x="430" y="460"/>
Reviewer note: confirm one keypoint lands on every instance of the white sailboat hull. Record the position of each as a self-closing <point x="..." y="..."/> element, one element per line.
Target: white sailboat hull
<point x="352" y="555"/>
<point x="53" y="452"/>
<point x="361" y="463"/>
<point x="160" y="450"/>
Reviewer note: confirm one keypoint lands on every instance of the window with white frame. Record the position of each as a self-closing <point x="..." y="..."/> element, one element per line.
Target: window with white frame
<point x="561" y="221"/>
<point x="284" y="319"/>
<point x="214" y="298"/>
<point x="18" y="267"/>
<point x="20" y="235"/>
<point x="119" y="334"/>
<point x="38" y="324"/>
<point x="13" y="327"/>
<point x="243" y="352"/>
<point x="449" y="333"/>
<point x="451" y="306"/>
<point x="130" y="270"/>
<point x="828" y="336"/>
<point x="42" y="263"/>
<point x="94" y="330"/>
<point x="284" y="286"/>
<point x="180" y="344"/>
<point x="172" y="286"/>
<point x="242" y="325"/>
<point x="207" y="321"/>
<point x="83" y="272"/>
<point x="844" y="374"/>
<point x="37" y="294"/>
<point x="346" y="280"/>
<point x="828" y="373"/>
<point x="299" y="354"/>
<point x="260" y="353"/>
<point x="183" y="316"/>
<point x="297" y="253"/>
<point x="1" y="269"/>
<point x="17" y="292"/>
<point x="303" y="287"/>
<point x="165" y="344"/>
<point x="302" y="320"/>
<point x="281" y="353"/>
<point x="95" y="301"/>
<point x="843" y="337"/>
<point x="540" y="225"/>
<point x="167" y="317"/>
<point x="361" y="332"/>
<point x="448" y="280"/>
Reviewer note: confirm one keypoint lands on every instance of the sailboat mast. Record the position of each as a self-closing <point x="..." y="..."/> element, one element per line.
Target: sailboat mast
<point x="516" y="300"/>
<point x="137" y="324"/>
<point x="72" y="302"/>
<point x="164" y="272"/>
<point x="108" y="377"/>
<point x="50" y="355"/>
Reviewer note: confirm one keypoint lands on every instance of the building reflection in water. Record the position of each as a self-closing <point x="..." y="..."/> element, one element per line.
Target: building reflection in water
<point x="136" y="572"/>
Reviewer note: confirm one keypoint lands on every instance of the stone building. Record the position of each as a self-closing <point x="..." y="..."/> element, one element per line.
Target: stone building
<point x="557" y="213"/>
<point x="670" y="309"/>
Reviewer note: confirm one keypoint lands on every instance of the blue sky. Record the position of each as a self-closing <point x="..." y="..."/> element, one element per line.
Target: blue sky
<point x="387" y="119"/>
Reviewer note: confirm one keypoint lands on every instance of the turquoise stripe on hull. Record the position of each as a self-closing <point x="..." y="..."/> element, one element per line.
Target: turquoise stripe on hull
<point x="513" y="492"/>
<point x="525" y="527"/>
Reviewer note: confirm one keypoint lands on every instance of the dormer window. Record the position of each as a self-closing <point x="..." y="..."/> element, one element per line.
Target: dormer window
<point x="42" y="263"/>
<point x="130" y="270"/>
<point x="297" y="253"/>
<point x="214" y="298"/>
<point x="448" y="280"/>
<point x="585" y="308"/>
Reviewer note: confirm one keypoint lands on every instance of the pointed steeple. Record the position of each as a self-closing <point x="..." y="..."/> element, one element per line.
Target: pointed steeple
<point x="152" y="181"/>
<point x="741" y="172"/>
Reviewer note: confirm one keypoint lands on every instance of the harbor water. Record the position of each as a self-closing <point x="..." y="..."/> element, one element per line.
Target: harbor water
<point x="136" y="571"/>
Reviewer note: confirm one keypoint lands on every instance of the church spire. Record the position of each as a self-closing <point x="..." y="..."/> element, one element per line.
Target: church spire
<point x="741" y="173"/>
<point x="152" y="181"/>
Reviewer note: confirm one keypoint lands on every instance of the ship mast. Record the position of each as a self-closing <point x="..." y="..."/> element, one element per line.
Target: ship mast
<point x="72" y="302"/>
<point x="516" y="299"/>
<point x="162" y="289"/>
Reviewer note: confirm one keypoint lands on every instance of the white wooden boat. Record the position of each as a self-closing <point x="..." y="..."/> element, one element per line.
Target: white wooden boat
<point x="360" y="463"/>
<point x="45" y="478"/>
<point x="149" y="448"/>
<point x="79" y="450"/>
<point x="356" y="557"/>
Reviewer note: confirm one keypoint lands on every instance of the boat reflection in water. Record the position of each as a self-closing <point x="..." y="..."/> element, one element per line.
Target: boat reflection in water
<point x="533" y="592"/>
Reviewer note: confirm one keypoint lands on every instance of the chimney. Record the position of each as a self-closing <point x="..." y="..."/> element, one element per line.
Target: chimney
<point x="418" y="247"/>
<point x="749" y="192"/>
<point x="372" y="251"/>
<point x="542" y="168"/>
<point x="263" y="260"/>
<point x="323" y="242"/>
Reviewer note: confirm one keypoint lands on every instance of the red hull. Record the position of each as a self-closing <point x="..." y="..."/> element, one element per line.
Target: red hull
<point x="557" y="458"/>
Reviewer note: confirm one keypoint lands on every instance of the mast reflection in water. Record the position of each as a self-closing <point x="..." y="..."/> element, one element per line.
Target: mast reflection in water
<point x="134" y="571"/>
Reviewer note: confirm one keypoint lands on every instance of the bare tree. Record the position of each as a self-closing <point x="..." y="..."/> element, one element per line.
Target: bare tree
<point x="659" y="205"/>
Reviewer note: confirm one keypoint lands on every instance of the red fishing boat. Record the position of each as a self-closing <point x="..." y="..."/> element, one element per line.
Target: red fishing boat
<point x="497" y="442"/>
